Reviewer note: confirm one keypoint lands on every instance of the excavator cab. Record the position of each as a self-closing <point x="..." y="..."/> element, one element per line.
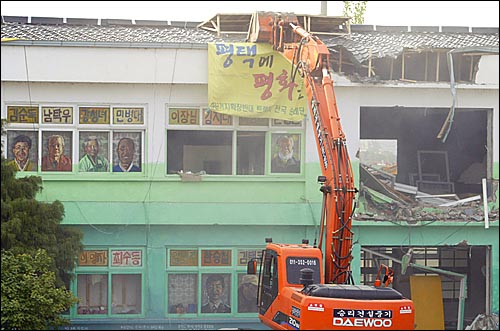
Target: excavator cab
<point x="292" y="295"/>
<point x="282" y="266"/>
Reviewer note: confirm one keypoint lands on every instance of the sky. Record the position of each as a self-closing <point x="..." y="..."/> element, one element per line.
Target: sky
<point x="406" y="13"/>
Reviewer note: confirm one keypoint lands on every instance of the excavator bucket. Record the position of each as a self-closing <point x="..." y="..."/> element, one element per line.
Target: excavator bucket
<point x="270" y="26"/>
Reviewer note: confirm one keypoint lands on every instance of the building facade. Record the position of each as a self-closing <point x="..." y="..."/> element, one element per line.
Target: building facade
<point x="180" y="193"/>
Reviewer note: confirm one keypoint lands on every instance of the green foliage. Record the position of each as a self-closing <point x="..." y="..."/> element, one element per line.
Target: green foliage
<point x="27" y="226"/>
<point x="30" y="298"/>
<point x="355" y="10"/>
<point x="30" y="224"/>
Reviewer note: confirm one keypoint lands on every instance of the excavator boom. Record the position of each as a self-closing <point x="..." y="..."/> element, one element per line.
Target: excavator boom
<point x="311" y="287"/>
<point x="310" y="58"/>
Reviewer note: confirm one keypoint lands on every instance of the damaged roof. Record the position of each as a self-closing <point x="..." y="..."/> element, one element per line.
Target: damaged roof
<point x="378" y="40"/>
<point x="391" y="44"/>
<point x="112" y="33"/>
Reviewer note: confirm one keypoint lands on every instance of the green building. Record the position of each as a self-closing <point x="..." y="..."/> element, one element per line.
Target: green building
<point x="198" y="194"/>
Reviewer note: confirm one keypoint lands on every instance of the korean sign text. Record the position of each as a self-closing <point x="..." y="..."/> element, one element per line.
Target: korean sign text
<point x="253" y="80"/>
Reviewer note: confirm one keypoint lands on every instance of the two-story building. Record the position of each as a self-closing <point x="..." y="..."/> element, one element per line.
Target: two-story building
<point x="180" y="192"/>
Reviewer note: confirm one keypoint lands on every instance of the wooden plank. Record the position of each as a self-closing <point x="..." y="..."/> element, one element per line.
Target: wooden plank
<point x="427" y="297"/>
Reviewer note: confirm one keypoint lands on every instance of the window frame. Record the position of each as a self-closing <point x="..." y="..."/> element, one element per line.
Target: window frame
<point x="75" y="128"/>
<point x="108" y="271"/>
<point x="272" y="127"/>
<point x="237" y="268"/>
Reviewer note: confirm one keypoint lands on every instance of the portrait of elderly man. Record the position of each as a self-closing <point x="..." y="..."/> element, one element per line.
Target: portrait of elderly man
<point x="92" y="161"/>
<point x="284" y="160"/>
<point x="125" y="150"/>
<point x="55" y="159"/>
<point x="21" y="146"/>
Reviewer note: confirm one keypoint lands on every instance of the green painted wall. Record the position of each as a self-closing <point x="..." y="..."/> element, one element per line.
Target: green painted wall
<point x="156" y="212"/>
<point x="435" y="234"/>
<point x="155" y="239"/>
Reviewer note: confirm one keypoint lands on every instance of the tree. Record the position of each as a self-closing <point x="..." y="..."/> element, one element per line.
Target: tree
<point x="355" y="10"/>
<point x="30" y="298"/>
<point x="29" y="225"/>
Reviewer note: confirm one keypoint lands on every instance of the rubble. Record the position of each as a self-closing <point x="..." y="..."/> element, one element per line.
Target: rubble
<point x="383" y="202"/>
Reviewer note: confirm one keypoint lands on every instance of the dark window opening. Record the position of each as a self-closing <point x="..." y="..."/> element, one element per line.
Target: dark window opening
<point x="416" y="66"/>
<point x="460" y="259"/>
<point x="456" y="166"/>
<point x="251" y="152"/>
<point x="198" y="151"/>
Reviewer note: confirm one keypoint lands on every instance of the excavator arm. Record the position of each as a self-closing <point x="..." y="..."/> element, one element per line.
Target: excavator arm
<point x="310" y="58"/>
<point x="293" y="293"/>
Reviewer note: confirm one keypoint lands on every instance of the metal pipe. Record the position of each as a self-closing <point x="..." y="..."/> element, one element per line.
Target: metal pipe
<point x="461" y="303"/>
<point x="488" y="280"/>
<point x="324" y="8"/>
<point x="463" y="282"/>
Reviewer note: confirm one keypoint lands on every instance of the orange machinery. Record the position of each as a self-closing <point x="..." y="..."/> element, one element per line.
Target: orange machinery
<point x="302" y="286"/>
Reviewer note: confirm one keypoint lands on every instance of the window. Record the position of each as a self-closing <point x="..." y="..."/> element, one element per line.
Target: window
<point x="406" y="149"/>
<point x="286" y="153"/>
<point x="22" y="151"/>
<point x="94" y="151"/>
<point x="250" y="152"/>
<point x="75" y="138"/>
<point x="247" y="293"/>
<point x="210" y="281"/>
<point x="216" y="296"/>
<point x="370" y="263"/>
<point x="209" y="151"/>
<point x="206" y="142"/>
<point x="127" y="154"/>
<point x="183" y="296"/>
<point x="120" y="269"/>
<point x="453" y="259"/>
<point x="92" y="293"/>
<point x="295" y="264"/>
<point x="456" y="259"/>
<point x="57" y="150"/>
<point x="127" y="293"/>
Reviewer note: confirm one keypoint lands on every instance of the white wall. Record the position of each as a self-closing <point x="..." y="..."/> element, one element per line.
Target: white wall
<point x="104" y="65"/>
<point x="98" y="75"/>
<point x="485" y="74"/>
<point x="351" y="97"/>
<point x="154" y="97"/>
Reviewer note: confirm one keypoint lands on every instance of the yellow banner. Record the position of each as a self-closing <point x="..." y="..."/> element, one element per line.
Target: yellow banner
<point x="253" y="80"/>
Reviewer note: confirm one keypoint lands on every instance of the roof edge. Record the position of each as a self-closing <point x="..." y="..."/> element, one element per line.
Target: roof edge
<point x="193" y="24"/>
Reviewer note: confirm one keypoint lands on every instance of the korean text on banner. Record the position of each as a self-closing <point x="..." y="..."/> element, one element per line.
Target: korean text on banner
<point x="253" y="80"/>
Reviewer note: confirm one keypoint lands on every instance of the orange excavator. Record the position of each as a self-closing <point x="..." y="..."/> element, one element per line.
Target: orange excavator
<point x="303" y="286"/>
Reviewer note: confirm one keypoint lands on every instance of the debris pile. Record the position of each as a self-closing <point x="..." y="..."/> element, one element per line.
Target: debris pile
<point x="384" y="199"/>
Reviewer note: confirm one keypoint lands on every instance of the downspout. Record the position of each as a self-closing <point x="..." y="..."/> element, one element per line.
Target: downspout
<point x="488" y="281"/>
<point x="445" y="129"/>
<point x="324" y="9"/>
